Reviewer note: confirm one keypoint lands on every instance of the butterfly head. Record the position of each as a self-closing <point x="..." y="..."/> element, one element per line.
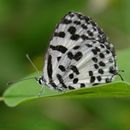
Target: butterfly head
<point x="41" y="80"/>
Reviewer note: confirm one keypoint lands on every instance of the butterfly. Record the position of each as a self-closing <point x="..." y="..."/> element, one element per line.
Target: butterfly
<point x="79" y="55"/>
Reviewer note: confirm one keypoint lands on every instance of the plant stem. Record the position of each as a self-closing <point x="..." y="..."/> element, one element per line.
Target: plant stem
<point x="1" y="98"/>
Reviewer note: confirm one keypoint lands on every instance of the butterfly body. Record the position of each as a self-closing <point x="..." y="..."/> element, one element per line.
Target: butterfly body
<point x="79" y="55"/>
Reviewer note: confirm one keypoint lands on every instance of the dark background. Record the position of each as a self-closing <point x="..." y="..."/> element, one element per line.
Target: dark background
<point x="26" y="27"/>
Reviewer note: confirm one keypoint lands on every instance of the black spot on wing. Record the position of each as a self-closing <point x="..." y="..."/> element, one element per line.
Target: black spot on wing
<point x="71" y="76"/>
<point x="78" y="56"/>
<point x="80" y="16"/>
<point x="72" y="30"/>
<point x="95" y="84"/>
<point x="94" y="59"/>
<point x="62" y="68"/>
<point x="77" y="22"/>
<point x="92" y="79"/>
<point x="66" y="21"/>
<point x="88" y="45"/>
<point x="76" y="47"/>
<point x="96" y="66"/>
<point x="102" y="55"/>
<point x="53" y="84"/>
<point x="84" y="37"/>
<point x="59" y="34"/>
<point x="70" y="55"/>
<point x="87" y="19"/>
<point x="82" y="85"/>
<point x="101" y="71"/>
<point x="71" y="88"/>
<point x="94" y="51"/>
<point x="75" y="80"/>
<point x="74" y="69"/>
<point x="93" y="23"/>
<point x="99" y="78"/>
<point x="75" y="37"/>
<point x="90" y="33"/>
<point x="58" y="58"/>
<point x="84" y="26"/>
<point x="90" y="73"/>
<point x="49" y="67"/>
<point x="108" y="51"/>
<point x="108" y="80"/>
<point x="101" y="63"/>
<point x="59" y="48"/>
<point x="102" y="46"/>
<point x="61" y="80"/>
<point x="97" y="49"/>
<point x="71" y="14"/>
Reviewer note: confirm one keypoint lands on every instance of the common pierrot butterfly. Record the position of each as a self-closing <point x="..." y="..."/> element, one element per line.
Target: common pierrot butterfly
<point x="79" y="55"/>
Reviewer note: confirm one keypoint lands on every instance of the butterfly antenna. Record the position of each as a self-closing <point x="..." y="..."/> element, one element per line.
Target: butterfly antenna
<point x="34" y="66"/>
<point x="13" y="82"/>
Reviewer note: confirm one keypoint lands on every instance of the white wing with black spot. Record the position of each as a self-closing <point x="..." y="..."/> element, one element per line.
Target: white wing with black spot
<point x="79" y="55"/>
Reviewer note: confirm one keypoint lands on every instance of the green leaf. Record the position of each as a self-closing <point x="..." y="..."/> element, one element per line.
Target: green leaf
<point x="25" y="90"/>
<point x="30" y="89"/>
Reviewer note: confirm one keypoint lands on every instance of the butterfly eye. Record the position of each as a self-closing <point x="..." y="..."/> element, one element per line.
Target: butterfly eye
<point x="40" y="80"/>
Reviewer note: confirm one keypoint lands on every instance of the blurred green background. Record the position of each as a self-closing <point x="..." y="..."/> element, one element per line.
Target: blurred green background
<point x="26" y="27"/>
